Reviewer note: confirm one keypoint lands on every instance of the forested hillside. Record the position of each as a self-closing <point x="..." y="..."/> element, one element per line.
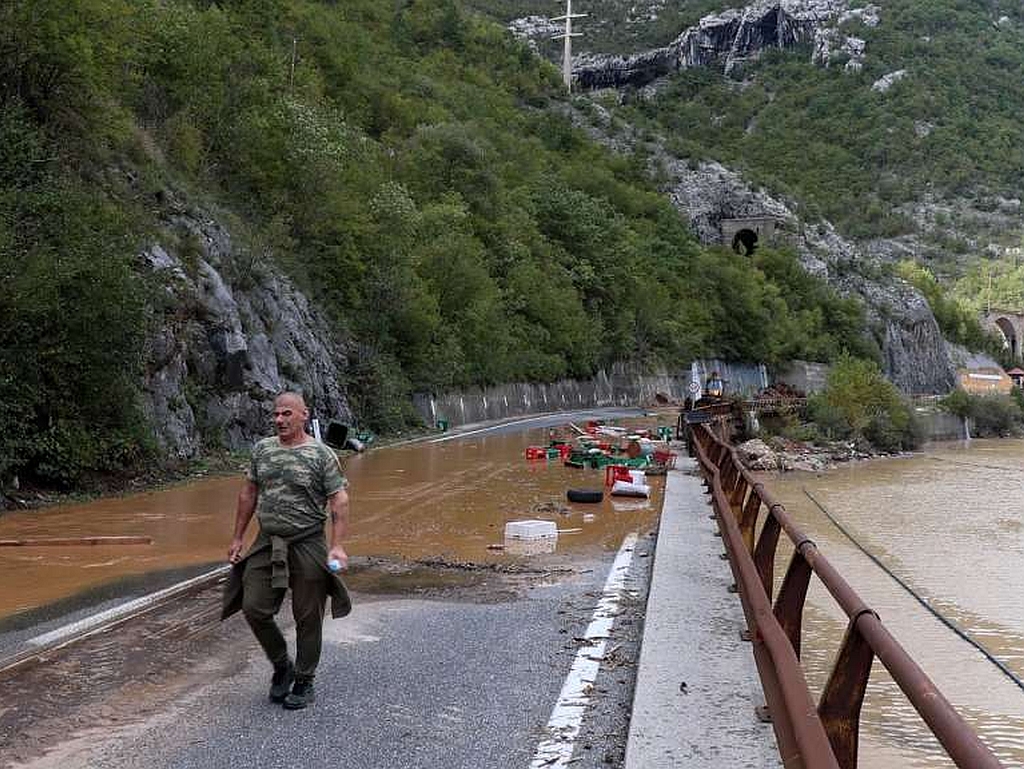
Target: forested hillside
<point x="398" y="160"/>
<point x="919" y="142"/>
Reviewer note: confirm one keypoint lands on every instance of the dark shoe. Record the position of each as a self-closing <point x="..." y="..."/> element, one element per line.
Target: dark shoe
<point x="301" y="695"/>
<point x="281" y="683"/>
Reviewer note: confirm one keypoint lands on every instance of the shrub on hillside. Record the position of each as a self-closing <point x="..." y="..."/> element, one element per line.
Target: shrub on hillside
<point x="990" y="415"/>
<point x="72" y="319"/>
<point x="860" y="404"/>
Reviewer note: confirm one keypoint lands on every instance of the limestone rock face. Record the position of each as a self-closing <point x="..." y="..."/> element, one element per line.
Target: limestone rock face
<point x="728" y="38"/>
<point x="886" y="82"/>
<point x="710" y="193"/>
<point x="232" y="333"/>
<point x="593" y="71"/>
<point x="915" y="356"/>
<point x="533" y="28"/>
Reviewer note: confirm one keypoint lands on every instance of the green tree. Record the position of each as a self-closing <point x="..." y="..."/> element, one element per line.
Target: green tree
<point x="860" y="404"/>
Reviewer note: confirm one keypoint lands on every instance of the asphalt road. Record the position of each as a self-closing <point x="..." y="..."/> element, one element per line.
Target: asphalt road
<point x="464" y="674"/>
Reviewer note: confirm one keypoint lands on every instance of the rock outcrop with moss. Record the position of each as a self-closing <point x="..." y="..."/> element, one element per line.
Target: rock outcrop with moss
<point x="232" y="333"/>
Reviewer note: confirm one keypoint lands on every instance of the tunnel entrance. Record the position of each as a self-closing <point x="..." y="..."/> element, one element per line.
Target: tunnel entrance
<point x="746" y="234"/>
<point x="744" y="242"/>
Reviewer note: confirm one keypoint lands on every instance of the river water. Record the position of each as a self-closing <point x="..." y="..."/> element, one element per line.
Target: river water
<point x="950" y="524"/>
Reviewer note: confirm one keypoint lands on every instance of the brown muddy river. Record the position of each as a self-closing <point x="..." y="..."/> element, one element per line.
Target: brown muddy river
<point x="950" y="524"/>
<point x="446" y="499"/>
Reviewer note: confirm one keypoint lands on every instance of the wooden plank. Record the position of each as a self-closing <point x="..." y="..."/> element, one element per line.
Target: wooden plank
<point x="73" y="541"/>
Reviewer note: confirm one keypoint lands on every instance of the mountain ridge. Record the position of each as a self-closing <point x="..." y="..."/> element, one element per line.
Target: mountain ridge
<point x="915" y="123"/>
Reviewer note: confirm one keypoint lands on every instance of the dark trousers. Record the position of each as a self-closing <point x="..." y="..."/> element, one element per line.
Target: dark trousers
<point x="307" y="580"/>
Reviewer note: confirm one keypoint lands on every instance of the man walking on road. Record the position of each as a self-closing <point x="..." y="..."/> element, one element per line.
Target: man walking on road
<point x="293" y="483"/>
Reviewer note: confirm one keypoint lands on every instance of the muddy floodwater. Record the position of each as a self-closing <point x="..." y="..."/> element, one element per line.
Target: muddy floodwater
<point x="445" y="499"/>
<point x="950" y="524"/>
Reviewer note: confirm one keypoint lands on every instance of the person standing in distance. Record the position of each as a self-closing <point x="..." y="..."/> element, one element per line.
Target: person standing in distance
<point x="293" y="485"/>
<point x="715" y="386"/>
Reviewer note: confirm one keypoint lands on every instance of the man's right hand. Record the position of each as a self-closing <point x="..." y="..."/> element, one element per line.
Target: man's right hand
<point x="235" y="551"/>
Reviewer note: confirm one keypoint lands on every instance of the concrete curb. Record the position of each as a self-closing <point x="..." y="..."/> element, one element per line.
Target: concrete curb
<point x="697" y="684"/>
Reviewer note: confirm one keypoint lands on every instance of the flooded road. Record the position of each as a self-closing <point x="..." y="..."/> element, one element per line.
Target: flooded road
<point x="455" y="656"/>
<point x="442" y="499"/>
<point x="950" y="524"/>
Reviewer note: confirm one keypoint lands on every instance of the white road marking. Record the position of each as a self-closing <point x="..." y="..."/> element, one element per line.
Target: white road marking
<point x="567" y="717"/>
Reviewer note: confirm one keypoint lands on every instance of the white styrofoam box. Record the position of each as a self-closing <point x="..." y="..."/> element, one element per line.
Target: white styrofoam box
<point x="623" y="489"/>
<point x="530" y="530"/>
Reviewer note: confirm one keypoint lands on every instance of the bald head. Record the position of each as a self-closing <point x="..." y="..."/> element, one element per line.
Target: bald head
<point x="292" y="398"/>
<point x="290" y="415"/>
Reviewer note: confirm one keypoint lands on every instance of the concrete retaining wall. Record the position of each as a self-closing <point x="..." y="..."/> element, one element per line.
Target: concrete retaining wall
<point x="625" y="386"/>
<point x="622" y="386"/>
<point x="804" y="376"/>
<point x="941" y="426"/>
<point x="511" y="400"/>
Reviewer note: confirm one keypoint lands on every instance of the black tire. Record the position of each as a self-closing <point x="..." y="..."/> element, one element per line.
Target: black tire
<point x="589" y="496"/>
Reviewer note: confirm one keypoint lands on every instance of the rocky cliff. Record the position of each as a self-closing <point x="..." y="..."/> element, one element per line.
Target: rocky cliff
<point x="231" y="332"/>
<point x="915" y="356"/>
<point x="726" y="40"/>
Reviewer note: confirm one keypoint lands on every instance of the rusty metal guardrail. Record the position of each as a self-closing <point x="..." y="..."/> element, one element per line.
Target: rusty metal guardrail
<point x="823" y="735"/>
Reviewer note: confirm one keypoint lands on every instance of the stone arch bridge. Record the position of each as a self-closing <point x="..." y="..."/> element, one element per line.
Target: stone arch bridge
<point x="1010" y="326"/>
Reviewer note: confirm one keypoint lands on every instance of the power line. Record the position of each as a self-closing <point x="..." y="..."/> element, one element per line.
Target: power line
<point x="938" y="615"/>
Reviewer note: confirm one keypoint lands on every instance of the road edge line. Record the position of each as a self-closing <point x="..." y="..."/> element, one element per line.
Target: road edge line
<point x="73" y="632"/>
<point x="566" y="719"/>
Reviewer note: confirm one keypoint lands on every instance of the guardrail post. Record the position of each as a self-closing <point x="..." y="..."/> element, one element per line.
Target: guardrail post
<point x="739" y="490"/>
<point x="764" y="553"/>
<point x="726" y="472"/>
<point x="748" y="517"/>
<point x="843" y="695"/>
<point x="789" y="606"/>
<point x="732" y="478"/>
<point x="710" y="446"/>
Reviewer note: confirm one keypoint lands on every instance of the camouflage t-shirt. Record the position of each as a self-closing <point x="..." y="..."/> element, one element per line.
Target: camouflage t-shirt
<point x="294" y="483"/>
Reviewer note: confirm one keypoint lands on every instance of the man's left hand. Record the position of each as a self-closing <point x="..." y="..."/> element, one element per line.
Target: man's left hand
<point x="338" y="554"/>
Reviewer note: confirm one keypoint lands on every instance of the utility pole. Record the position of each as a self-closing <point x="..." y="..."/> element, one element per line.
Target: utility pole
<point x="291" y="71"/>
<point x="568" y="35"/>
<point x="989" y="292"/>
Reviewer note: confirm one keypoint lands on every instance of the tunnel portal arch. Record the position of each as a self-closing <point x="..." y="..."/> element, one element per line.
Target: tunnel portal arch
<point x="744" y="242"/>
<point x="1009" y="336"/>
<point x="746" y="234"/>
<point x="1009" y="324"/>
